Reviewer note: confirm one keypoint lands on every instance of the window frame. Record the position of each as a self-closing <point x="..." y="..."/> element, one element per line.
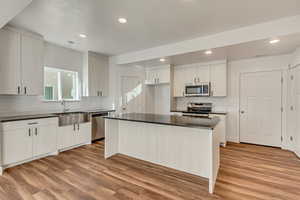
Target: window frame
<point x="59" y="84"/>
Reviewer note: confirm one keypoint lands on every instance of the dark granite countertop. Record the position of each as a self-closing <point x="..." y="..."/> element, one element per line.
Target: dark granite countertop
<point x="192" y="122"/>
<point x="26" y="117"/>
<point x="30" y="115"/>
<point x="212" y="112"/>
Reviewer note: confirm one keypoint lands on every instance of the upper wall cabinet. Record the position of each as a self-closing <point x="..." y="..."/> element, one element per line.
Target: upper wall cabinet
<point x="218" y="80"/>
<point x="21" y="63"/>
<point x="96" y="74"/>
<point x="158" y="75"/>
<point x="214" y="73"/>
<point x="32" y="61"/>
<point x="10" y="62"/>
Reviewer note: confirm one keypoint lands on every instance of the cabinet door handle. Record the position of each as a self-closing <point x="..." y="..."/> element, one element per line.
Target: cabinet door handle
<point x="33" y="123"/>
<point x="29" y="132"/>
<point x="74" y="129"/>
<point x="101" y="94"/>
<point x="78" y="127"/>
<point x="157" y="80"/>
<point x="198" y="80"/>
<point x="36" y="131"/>
<point x="195" y="80"/>
<point x="19" y="89"/>
<point x="25" y="90"/>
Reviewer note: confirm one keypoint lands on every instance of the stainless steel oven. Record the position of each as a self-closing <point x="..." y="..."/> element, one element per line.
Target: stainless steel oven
<point x="202" y="90"/>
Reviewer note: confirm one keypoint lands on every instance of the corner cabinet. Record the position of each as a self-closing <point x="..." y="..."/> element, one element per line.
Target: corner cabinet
<point x="158" y="75"/>
<point x="21" y="62"/>
<point x="96" y="74"/>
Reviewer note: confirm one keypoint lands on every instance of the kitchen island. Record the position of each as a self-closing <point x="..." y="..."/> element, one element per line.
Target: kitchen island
<point x="188" y="144"/>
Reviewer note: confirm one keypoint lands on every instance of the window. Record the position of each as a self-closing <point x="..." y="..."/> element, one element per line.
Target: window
<point x="60" y="85"/>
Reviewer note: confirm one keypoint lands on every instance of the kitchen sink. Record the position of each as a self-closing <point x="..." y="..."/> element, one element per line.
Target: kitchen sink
<point x="70" y="118"/>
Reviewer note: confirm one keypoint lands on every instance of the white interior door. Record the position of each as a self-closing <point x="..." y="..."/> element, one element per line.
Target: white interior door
<point x="131" y="94"/>
<point x="260" y="108"/>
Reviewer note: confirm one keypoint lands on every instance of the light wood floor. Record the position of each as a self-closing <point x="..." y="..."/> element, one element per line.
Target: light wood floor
<point x="247" y="172"/>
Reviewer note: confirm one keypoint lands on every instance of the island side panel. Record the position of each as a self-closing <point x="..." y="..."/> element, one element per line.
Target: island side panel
<point x="111" y="137"/>
<point x="215" y="139"/>
<point x="181" y="148"/>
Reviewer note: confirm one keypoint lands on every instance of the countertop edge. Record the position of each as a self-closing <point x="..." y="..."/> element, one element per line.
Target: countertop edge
<point x="161" y="123"/>
<point x="4" y="119"/>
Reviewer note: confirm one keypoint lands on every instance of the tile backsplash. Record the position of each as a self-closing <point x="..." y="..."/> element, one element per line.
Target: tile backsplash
<point x="17" y="104"/>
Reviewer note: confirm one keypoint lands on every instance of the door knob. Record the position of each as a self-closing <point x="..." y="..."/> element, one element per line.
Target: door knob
<point x="242" y="112"/>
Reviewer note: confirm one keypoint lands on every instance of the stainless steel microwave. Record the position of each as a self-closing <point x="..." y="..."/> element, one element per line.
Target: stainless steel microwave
<point x="200" y="90"/>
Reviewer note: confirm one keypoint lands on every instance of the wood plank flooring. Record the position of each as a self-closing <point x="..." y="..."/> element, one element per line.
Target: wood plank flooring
<point x="246" y="172"/>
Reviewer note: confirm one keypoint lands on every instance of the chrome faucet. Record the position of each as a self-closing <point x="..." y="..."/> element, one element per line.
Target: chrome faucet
<point x="65" y="109"/>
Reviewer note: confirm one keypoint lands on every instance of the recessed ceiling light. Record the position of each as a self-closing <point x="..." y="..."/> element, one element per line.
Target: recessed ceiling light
<point x="162" y="60"/>
<point x="274" y="41"/>
<point x="82" y="35"/>
<point x="208" y="52"/>
<point x="122" y="20"/>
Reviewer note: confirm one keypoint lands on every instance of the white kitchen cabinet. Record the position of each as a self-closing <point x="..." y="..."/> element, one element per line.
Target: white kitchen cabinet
<point x="21" y="63"/>
<point x="182" y="77"/>
<point x="96" y="74"/>
<point x="83" y="135"/>
<point x="202" y="74"/>
<point x="32" y="62"/>
<point x="66" y="136"/>
<point x="158" y="75"/>
<point x="16" y="145"/>
<point x="214" y="73"/>
<point x="24" y="140"/>
<point x="218" y="80"/>
<point x="74" y="135"/>
<point x="44" y="139"/>
<point x="10" y="63"/>
<point x="222" y="127"/>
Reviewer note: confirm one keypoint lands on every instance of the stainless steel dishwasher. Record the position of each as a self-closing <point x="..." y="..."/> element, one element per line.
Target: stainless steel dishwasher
<point x="98" y="126"/>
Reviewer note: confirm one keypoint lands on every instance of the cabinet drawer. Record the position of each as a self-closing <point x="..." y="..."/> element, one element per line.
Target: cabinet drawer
<point x="24" y="123"/>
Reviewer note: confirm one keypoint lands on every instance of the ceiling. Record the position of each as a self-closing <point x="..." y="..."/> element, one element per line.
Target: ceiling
<point x="260" y="48"/>
<point x="10" y="8"/>
<point x="150" y="22"/>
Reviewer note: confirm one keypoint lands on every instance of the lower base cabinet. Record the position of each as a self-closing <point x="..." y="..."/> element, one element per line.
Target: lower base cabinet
<point x="23" y="140"/>
<point x="73" y="135"/>
<point x="17" y="146"/>
<point x="26" y="140"/>
<point x="222" y="124"/>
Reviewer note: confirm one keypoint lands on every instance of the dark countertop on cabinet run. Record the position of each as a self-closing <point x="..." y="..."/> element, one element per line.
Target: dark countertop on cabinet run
<point x="173" y="120"/>
<point x="26" y="117"/>
<point x="30" y="115"/>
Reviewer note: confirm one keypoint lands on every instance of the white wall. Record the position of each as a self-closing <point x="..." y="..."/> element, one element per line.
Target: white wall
<point x="58" y="57"/>
<point x="231" y="102"/>
<point x="115" y="94"/>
